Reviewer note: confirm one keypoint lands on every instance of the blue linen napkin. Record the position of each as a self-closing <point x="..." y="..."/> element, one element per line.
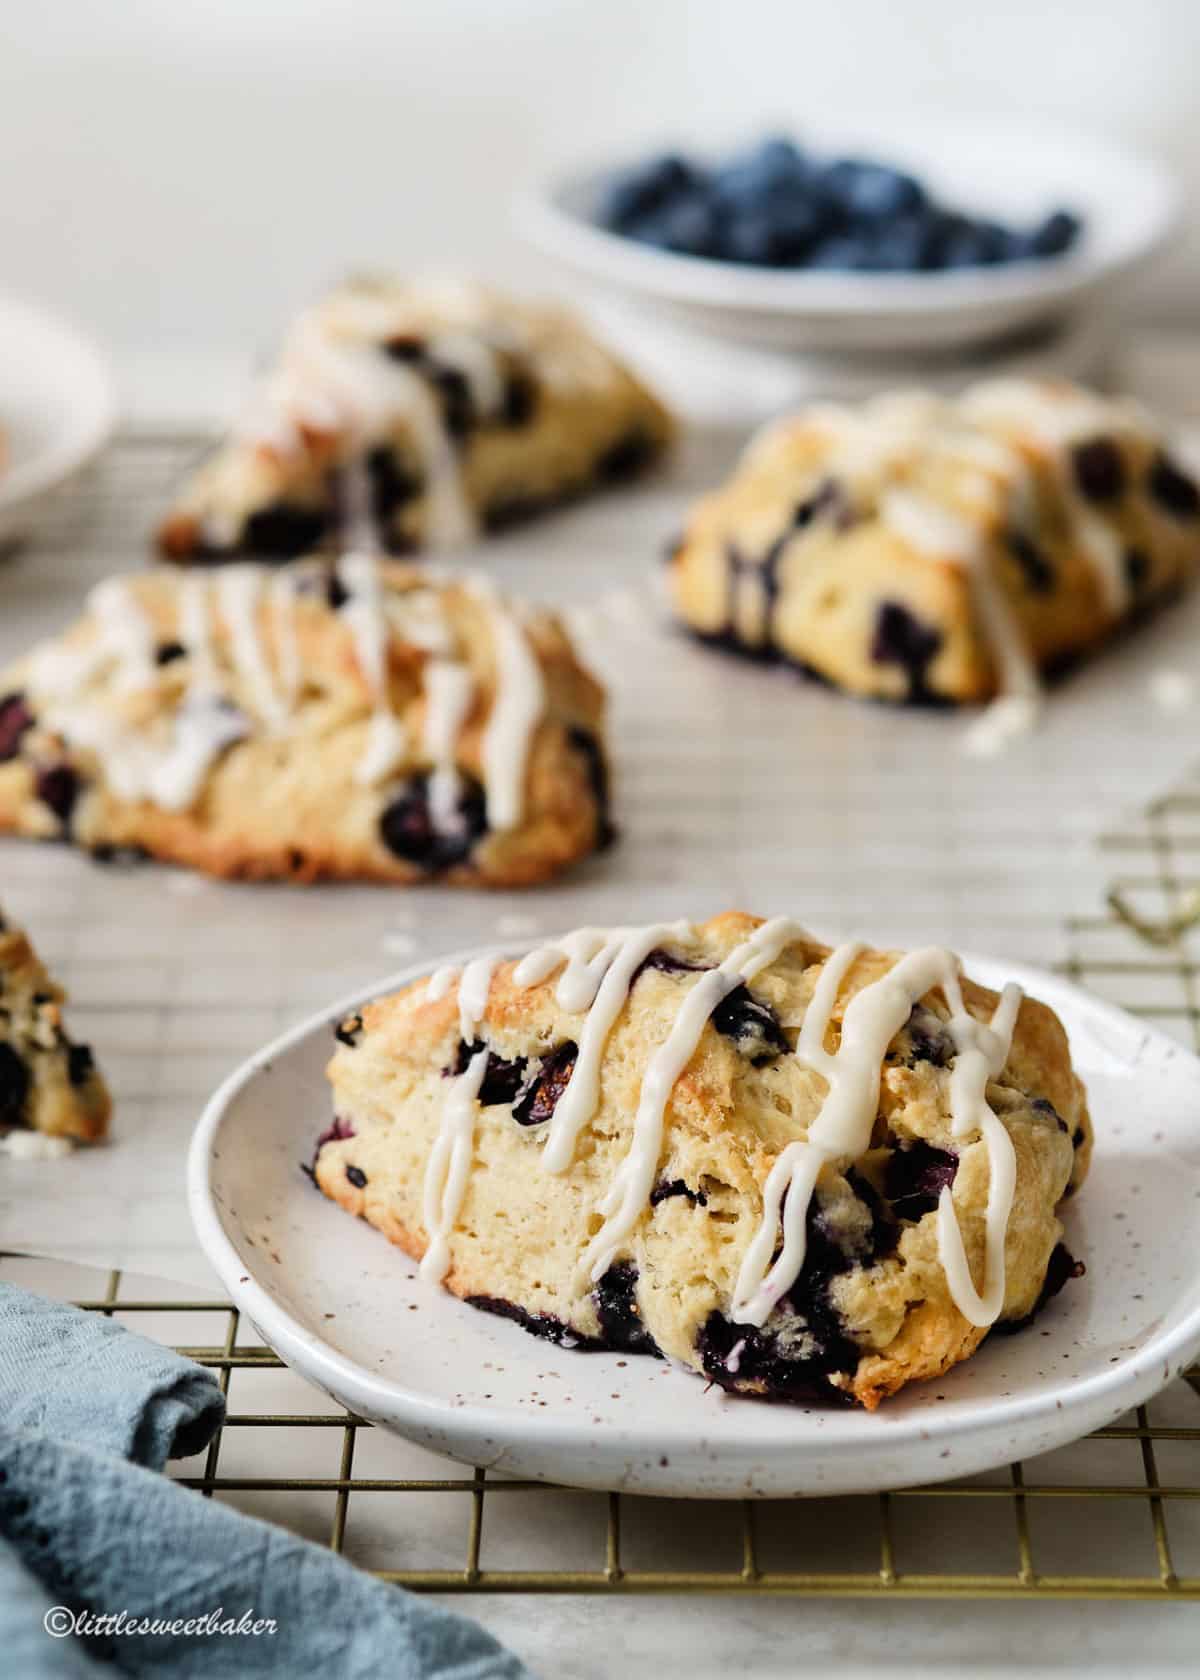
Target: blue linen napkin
<point x="89" y="1414"/>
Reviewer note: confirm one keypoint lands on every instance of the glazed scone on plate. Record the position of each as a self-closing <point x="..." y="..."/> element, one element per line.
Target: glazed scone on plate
<point x="797" y="1171"/>
<point x="417" y="415"/>
<point x="357" y="720"/>
<point x="51" y="1093"/>
<point x="940" y="551"/>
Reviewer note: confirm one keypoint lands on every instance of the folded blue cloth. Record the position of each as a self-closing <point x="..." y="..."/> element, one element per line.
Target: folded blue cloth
<point x="89" y="1414"/>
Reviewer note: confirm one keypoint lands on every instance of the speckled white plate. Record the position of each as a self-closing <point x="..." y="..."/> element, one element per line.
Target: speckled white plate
<point x="348" y="1311"/>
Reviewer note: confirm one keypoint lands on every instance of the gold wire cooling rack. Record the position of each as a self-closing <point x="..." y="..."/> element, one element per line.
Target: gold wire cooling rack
<point x="1116" y="1517"/>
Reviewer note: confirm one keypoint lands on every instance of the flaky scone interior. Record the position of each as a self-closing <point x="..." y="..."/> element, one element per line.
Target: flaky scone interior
<point x="51" y="1092"/>
<point x="941" y="551"/>
<point x="357" y="719"/>
<point x="425" y="412"/>
<point x="797" y="1171"/>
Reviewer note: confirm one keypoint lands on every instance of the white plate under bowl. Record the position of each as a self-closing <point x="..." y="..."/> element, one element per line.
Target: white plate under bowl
<point x="348" y="1311"/>
<point x="1013" y="171"/>
<point x="57" y="409"/>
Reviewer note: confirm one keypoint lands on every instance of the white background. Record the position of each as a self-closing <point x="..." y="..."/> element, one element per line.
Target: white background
<point x="177" y="173"/>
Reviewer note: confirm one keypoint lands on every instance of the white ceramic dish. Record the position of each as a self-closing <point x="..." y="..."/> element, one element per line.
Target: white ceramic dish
<point x="348" y="1311"/>
<point x="1130" y="206"/>
<point x="57" y="409"/>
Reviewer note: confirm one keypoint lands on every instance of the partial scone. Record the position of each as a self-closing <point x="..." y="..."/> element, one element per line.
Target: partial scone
<point x="50" y="1090"/>
<point x="417" y="415"/>
<point x="355" y="720"/>
<point x="919" y="549"/>
<point x="797" y="1171"/>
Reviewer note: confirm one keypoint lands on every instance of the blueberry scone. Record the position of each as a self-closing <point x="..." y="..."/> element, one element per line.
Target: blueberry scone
<point x="356" y="719"/>
<point x="797" y="1171"/>
<point x="927" y="550"/>
<point x="50" y="1090"/>
<point x="417" y="416"/>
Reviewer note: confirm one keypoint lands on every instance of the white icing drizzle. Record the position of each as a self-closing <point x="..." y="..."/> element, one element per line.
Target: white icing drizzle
<point x="440" y="982"/>
<point x="363" y="613"/>
<point x="449" y="692"/>
<point x="449" y="1166"/>
<point x="633" y="1180"/>
<point x="842" y="1128"/>
<point x="473" y="987"/>
<point x="598" y="973"/>
<point x="982" y="1051"/>
<point x="597" y="967"/>
<point x="935" y="530"/>
<point x="517" y="708"/>
<point x="125" y="632"/>
<point x="239" y="591"/>
<point x="331" y="380"/>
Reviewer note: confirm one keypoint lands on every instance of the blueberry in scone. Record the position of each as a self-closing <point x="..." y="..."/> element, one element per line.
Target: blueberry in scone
<point x="798" y="1171"/>
<point x="51" y="1092"/>
<point x="416" y="416"/>
<point x="355" y="719"/>
<point x="940" y="551"/>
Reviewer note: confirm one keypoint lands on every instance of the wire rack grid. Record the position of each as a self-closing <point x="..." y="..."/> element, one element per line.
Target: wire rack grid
<point x="1117" y="1516"/>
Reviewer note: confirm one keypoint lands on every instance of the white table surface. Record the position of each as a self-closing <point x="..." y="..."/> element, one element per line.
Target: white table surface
<point x="736" y="786"/>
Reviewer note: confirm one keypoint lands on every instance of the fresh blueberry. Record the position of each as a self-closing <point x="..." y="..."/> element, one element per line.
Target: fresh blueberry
<point x="869" y="191"/>
<point x="1055" y="234"/>
<point x="1169" y="485"/>
<point x="283" y="531"/>
<point x="391" y="482"/>
<point x="543" y="1325"/>
<point x="1137" y="569"/>
<point x="842" y="251"/>
<point x="915" y="1176"/>
<point x="15" y="719"/>
<point x="407" y="828"/>
<point x="615" y="1298"/>
<point x="58" y="787"/>
<point x="691" y="228"/>
<point x="80" y="1063"/>
<point x="520" y="399"/>
<point x="14" y="1087"/>
<point x="589" y="748"/>
<point x="901" y="639"/>
<point x="647" y="187"/>
<point x="752" y="1025"/>
<point x="1037" y="570"/>
<point x="1099" y="469"/>
<point x="625" y="458"/>
<point x="663" y="1191"/>
<point x="540" y="1094"/>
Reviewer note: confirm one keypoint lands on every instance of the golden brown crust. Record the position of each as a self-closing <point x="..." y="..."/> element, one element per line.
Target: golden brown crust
<point x="883" y="1317"/>
<point x="50" y="1084"/>
<point x="559" y="415"/>
<point x="290" y="803"/>
<point x="801" y="555"/>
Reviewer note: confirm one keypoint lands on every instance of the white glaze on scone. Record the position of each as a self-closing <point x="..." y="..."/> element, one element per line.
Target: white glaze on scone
<point x="364" y="721"/>
<point x="933" y="550"/>
<point x="666" y="1121"/>
<point x="406" y="415"/>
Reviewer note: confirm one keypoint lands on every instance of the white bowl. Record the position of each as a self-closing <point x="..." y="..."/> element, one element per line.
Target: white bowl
<point x="1015" y="173"/>
<point x="349" y="1311"/>
<point x="57" y="409"/>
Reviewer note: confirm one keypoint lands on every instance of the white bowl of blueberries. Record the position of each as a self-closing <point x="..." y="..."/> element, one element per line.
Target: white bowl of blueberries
<point x="918" y="237"/>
